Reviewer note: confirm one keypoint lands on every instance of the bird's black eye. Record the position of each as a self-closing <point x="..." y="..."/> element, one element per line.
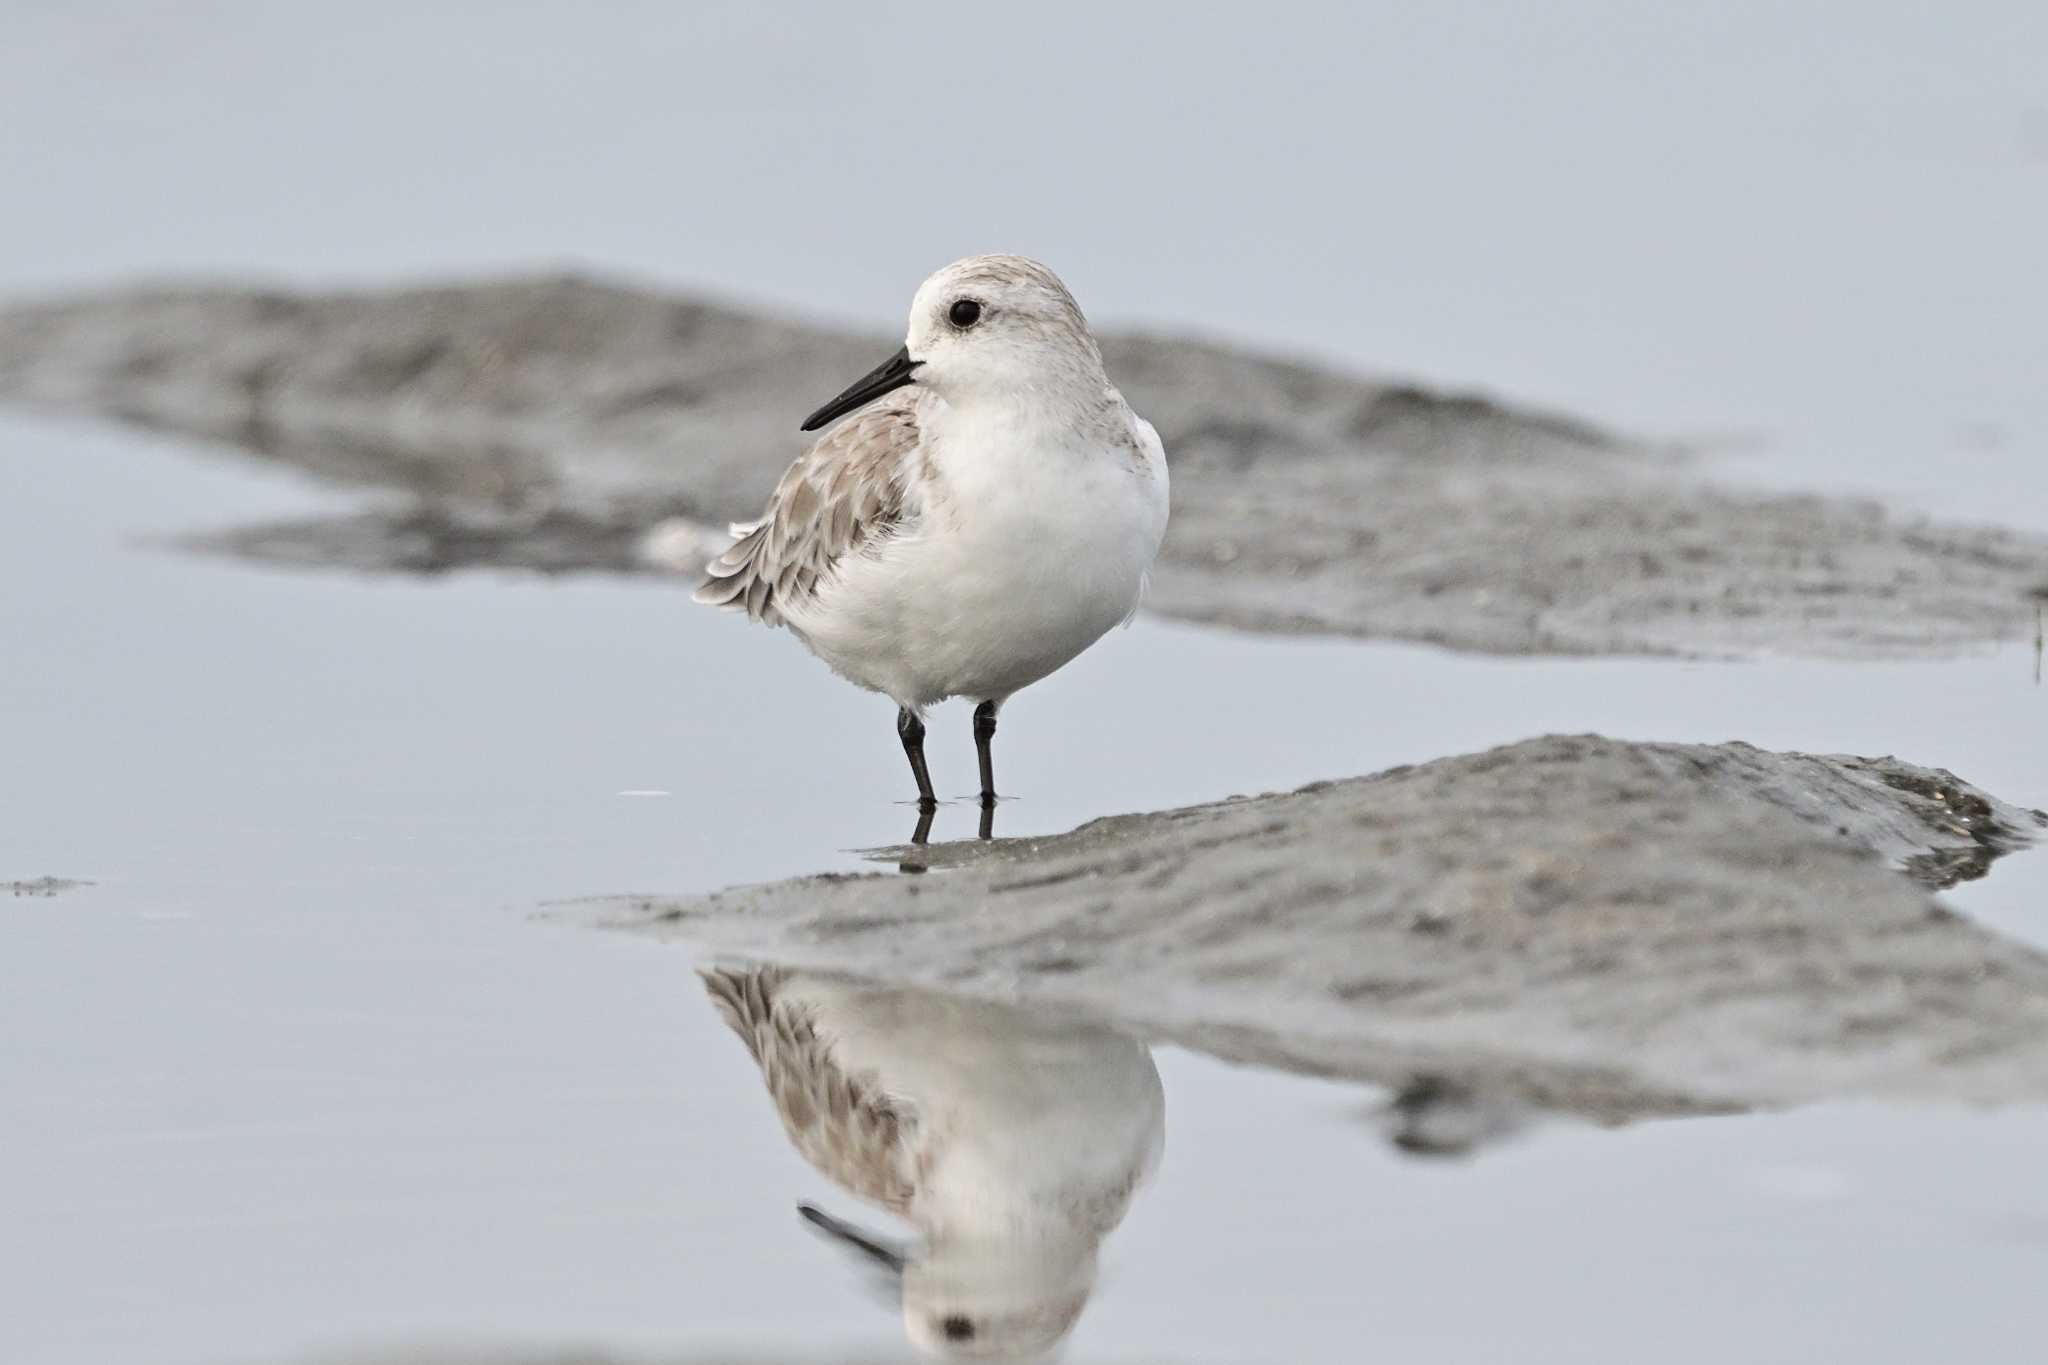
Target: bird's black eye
<point x="958" y="1328"/>
<point x="964" y="313"/>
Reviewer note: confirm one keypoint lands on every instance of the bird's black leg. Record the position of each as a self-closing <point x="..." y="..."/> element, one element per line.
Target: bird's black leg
<point x="910" y="730"/>
<point x="984" y="734"/>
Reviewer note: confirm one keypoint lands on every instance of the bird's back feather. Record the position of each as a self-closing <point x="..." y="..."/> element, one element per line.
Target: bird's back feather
<point x="847" y="491"/>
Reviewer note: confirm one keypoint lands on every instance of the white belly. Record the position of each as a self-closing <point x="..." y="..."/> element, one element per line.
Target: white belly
<point x="1006" y="583"/>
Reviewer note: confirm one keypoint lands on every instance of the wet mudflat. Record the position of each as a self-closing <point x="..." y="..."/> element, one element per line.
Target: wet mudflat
<point x="565" y="424"/>
<point x="1588" y="925"/>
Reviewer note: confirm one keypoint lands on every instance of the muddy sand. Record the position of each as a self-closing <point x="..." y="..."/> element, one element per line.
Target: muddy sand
<point x="1576" y="923"/>
<point x="560" y="424"/>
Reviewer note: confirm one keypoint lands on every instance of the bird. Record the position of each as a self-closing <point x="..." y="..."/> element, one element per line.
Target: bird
<point x="1013" y="1141"/>
<point x="983" y="507"/>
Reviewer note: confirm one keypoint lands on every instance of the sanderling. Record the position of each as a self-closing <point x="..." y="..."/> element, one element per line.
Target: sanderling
<point x="988" y="510"/>
<point x="1011" y="1141"/>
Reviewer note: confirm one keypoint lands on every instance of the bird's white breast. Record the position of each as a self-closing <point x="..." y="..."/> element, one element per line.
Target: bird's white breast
<point x="1034" y="540"/>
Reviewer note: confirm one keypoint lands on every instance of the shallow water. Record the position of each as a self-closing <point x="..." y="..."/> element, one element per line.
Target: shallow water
<point x="300" y="1070"/>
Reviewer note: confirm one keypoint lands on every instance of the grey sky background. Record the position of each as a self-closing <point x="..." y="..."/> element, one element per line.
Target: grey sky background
<point x="1812" y="225"/>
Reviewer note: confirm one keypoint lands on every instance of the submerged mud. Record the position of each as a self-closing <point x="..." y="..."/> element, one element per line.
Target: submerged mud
<point x="1583" y="924"/>
<point x="41" y="886"/>
<point x="562" y="425"/>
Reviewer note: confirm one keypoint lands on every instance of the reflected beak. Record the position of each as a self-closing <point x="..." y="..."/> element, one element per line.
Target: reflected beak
<point x="890" y="1258"/>
<point x="892" y="373"/>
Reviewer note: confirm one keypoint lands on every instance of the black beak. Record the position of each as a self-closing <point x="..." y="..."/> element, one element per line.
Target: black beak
<point x="892" y="373"/>
<point x="881" y="1253"/>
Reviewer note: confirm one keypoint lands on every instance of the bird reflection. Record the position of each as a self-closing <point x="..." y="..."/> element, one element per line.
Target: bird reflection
<point x="1011" y="1141"/>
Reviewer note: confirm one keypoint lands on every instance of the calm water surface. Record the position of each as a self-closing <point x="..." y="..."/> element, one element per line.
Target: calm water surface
<point x="300" y="1070"/>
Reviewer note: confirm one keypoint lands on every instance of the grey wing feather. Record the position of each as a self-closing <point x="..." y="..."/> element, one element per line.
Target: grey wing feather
<point x="844" y="493"/>
<point x="842" y="1124"/>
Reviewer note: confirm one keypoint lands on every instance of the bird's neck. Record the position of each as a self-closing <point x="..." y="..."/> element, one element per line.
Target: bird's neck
<point x="1051" y="411"/>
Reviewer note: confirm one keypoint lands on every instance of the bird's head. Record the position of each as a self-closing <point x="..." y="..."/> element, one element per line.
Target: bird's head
<point x="985" y="327"/>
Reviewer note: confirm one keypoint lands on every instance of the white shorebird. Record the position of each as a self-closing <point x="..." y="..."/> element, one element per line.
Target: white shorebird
<point x="1012" y="1141"/>
<point x="990" y="508"/>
